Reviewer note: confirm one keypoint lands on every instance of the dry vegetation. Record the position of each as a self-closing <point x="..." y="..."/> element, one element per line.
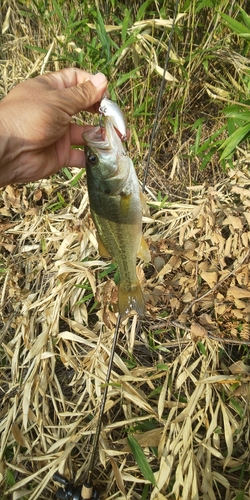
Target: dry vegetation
<point x="180" y="377"/>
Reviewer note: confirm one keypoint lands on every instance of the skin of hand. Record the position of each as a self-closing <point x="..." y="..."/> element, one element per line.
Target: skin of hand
<point x="36" y="133"/>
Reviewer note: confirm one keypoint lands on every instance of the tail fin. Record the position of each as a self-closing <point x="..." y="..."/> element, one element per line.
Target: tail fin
<point x="131" y="299"/>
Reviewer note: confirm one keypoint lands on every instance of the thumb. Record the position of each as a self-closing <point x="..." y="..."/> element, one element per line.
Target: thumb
<point x="84" y="96"/>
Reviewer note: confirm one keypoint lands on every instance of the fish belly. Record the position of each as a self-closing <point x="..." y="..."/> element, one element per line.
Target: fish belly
<point x="120" y="234"/>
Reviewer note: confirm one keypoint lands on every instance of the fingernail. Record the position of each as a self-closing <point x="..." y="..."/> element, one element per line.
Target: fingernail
<point x="98" y="79"/>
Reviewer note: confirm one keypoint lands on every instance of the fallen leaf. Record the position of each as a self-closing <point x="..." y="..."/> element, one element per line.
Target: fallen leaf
<point x="210" y="278"/>
<point x="237" y="293"/>
<point x="234" y="221"/>
<point x="197" y="331"/>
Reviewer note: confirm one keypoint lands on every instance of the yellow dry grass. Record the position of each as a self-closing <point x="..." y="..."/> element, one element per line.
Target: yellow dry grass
<point x="55" y="354"/>
<point x="180" y="378"/>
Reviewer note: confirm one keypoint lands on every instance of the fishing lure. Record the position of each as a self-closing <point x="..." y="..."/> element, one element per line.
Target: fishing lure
<point x="111" y="109"/>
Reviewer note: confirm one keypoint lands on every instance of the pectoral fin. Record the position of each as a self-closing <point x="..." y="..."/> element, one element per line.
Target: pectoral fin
<point x="145" y="209"/>
<point x="125" y="204"/>
<point x="102" y="250"/>
<point x="143" y="252"/>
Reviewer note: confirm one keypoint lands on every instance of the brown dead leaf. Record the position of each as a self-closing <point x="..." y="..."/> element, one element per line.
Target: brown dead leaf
<point x="18" y="436"/>
<point x="118" y="476"/>
<point x="197" y="332"/>
<point x="237" y="313"/>
<point x="12" y="197"/>
<point x="207" y="321"/>
<point x="211" y="278"/>
<point x="243" y="390"/>
<point x="233" y="221"/>
<point x="243" y="276"/>
<point x="9" y="247"/>
<point x="173" y="263"/>
<point x="187" y="297"/>
<point x="235" y="292"/>
<point x="37" y="195"/>
<point x="239" y="367"/>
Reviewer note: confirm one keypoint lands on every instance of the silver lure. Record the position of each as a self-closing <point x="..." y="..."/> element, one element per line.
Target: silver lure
<point x="111" y="109"/>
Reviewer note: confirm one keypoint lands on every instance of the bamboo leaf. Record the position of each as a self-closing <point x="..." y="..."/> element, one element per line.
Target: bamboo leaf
<point x="125" y="24"/>
<point x="103" y="37"/>
<point x="141" y="460"/>
<point x="246" y="18"/>
<point x="232" y="142"/>
<point x="235" y="26"/>
<point x="142" y="10"/>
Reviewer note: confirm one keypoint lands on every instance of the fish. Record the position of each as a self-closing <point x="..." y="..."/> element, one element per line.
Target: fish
<point x="116" y="206"/>
<point x="110" y="109"/>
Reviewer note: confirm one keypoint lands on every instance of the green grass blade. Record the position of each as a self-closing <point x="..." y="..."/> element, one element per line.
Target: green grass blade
<point x="103" y="37"/>
<point x="232" y="142"/>
<point x="246" y="18"/>
<point x="125" y="25"/>
<point x="142" y="9"/>
<point x="238" y="28"/>
<point x="59" y="12"/>
<point x="126" y="44"/>
<point x="141" y="460"/>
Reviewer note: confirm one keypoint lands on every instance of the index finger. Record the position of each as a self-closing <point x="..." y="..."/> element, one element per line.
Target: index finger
<point x="68" y="77"/>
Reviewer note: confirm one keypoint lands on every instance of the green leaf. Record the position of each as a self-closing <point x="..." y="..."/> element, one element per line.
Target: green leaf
<point x="9" y="478"/>
<point x="142" y="10"/>
<point x="245" y="17"/>
<point x="67" y="172"/>
<point x="126" y="44"/>
<point x="239" y="115"/>
<point x="202" y="348"/>
<point x="37" y="49"/>
<point x="125" y="24"/>
<point x="145" y="493"/>
<point x="103" y="37"/>
<point x="232" y="142"/>
<point x="141" y="460"/>
<point x="236" y="27"/>
<point x="162" y="366"/>
<point x="240" y="496"/>
<point x="237" y="407"/>
<point x="203" y="4"/>
<point x="59" y="12"/>
<point x="127" y="76"/>
<point x="77" y="177"/>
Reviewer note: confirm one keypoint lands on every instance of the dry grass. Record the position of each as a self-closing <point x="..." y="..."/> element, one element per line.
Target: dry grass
<point x="180" y="378"/>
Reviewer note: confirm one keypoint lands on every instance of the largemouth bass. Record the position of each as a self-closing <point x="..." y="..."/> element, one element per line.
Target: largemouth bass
<point x="116" y="207"/>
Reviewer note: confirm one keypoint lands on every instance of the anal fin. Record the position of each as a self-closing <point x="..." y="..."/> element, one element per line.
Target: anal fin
<point x="143" y="252"/>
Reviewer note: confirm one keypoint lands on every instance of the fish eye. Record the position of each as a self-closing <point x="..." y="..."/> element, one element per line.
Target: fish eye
<point x="92" y="158"/>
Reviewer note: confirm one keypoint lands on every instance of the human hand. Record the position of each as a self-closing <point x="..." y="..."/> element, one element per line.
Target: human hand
<point x="36" y="133"/>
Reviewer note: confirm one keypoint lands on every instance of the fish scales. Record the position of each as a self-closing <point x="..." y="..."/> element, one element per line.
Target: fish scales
<point x="115" y="205"/>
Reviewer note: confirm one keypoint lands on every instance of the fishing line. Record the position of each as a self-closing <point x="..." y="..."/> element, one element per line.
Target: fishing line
<point x="155" y="126"/>
<point x="104" y="398"/>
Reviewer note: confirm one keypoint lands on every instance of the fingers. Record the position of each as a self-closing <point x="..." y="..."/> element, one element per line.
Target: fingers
<point x="76" y="132"/>
<point x="76" y="159"/>
<point x="69" y="77"/>
<point x="80" y="97"/>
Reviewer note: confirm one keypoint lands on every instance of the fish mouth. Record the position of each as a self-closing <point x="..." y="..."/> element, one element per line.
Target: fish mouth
<point x="103" y="138"/>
